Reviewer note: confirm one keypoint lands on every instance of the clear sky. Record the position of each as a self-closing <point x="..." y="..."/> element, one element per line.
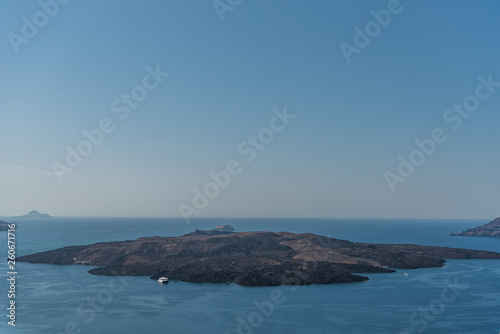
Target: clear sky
<point x="353" y="119"/>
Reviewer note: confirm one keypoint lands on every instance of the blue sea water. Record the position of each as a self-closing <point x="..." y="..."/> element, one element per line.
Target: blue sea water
<point x="462" y="297"/>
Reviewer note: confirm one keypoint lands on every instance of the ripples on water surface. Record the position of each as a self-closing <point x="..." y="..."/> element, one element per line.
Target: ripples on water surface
<point x="51" y="298"/>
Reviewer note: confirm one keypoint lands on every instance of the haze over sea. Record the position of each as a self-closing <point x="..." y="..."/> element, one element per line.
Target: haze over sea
<point x="65" y="299"/>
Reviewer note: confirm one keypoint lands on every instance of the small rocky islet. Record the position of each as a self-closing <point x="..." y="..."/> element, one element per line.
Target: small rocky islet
<point x="34" y="215"/>
<point x="252" y="258"/>
<point x="4" y="226"/>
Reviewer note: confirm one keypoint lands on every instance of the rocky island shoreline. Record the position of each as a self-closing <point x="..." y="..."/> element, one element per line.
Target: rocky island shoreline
<point x="491" y="230"/>
<point x="252" y="258"/>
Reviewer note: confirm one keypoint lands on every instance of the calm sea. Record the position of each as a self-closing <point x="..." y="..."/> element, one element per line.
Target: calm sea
<point x="462" y="297"/>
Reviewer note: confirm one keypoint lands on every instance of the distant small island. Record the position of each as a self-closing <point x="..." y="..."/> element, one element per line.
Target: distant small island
<point x="227" y="228"/>
<point x="34" y="214"/>
<point x="252" y="258"/>
<point x="218" y="230"/>
<point x="492" y="229"/>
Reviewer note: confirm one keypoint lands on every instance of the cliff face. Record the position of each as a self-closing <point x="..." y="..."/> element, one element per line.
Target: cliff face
<point x="252" y="258"/>
<point x="492" y="229"/>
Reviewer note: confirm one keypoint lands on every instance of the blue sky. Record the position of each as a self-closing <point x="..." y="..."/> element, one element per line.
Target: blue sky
<point x="353" y="120"/>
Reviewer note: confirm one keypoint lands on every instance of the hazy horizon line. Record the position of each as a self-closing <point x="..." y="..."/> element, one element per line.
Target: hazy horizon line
<point x="254" y="217"/>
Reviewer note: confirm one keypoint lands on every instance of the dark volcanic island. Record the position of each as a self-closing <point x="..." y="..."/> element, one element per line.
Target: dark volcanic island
<point x="252" y="258"/>
<point x="492" y="229"/>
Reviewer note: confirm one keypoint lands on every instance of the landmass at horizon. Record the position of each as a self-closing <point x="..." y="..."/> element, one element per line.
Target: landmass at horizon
<point x="252" y="258"/>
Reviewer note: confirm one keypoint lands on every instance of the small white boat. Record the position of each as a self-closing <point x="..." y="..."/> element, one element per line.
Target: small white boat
<point x="163" y="280"/>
